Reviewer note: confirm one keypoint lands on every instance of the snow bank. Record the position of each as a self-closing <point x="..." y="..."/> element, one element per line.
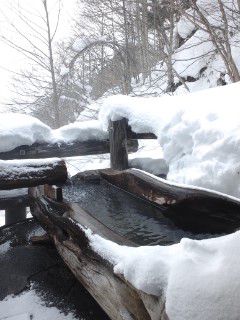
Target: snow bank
<point x="199" y="278"/>
<point x="199" y="51"/>
<point x="194" y="55"/>
<point x="185" y="27"/>
<point x="81" y="131"/>
<point x="20" y="129"/>
<point x="198" y="132"/>
<point x="149" y="158"/>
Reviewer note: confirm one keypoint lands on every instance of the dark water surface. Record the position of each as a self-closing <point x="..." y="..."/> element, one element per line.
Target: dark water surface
<point x="129" y="216"/>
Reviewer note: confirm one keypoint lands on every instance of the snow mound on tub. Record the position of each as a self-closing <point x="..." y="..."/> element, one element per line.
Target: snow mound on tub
<point x="199" y="133"/>
<point x="199" y="278"/>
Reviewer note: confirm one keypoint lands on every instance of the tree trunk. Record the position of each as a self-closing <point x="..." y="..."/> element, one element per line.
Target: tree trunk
<point x="52" y="70"/>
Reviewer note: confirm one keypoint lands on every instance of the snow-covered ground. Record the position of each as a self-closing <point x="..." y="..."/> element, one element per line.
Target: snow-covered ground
<point x="149" y="157"/>
<point x="29" y="305"/>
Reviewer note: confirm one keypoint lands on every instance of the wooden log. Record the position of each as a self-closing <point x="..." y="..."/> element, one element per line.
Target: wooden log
<point x="22" y="173"/>
<point x="195" y="210"/>
<point x="76" y="148"/>
<point x="14" y="200"/>
<point x="134" y="135"/>
<point x="119" y="299"/>
<point x="118" y="144"/>
<point x="43" y="150"/>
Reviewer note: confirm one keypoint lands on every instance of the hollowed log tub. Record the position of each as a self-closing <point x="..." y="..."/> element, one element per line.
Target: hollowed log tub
<point x="130" y="208"/>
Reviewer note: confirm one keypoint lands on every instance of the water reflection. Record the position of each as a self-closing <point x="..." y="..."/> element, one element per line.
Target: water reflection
<point x="128" y="216"/>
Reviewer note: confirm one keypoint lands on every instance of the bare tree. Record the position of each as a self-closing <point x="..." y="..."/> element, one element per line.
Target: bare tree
<point x="36" y="86"/>
<point x="220" y="28"/>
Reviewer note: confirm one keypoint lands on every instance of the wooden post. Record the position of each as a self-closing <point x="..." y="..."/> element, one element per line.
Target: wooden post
<point x="118" y="144"/>
<point x="14" y="213"/>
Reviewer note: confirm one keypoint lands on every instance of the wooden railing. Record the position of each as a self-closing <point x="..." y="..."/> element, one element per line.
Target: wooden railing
<point x="122" y="140"/>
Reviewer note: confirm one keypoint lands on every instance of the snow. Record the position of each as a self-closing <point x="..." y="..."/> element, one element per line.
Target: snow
<point x="9" y="167"/>
<point x="4" y="247"/>
<point x="199" y="278"/>
<point x="149" y="158"/>
<point x="64" y="71"/>
<point x="84" y="163"/>
<point x="2" y="218"/>
<point x="81" y="131"/>
<point x="29" y="304"/>
<point x="199" y="135"/>
<point x="185" y="27"/>
<point x="20" y="129"/>
<point x="193" y="55"/>
<point x="83" y="42"/>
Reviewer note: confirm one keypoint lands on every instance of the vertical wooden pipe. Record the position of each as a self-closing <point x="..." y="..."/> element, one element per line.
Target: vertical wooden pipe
<point x="118" y="144"/>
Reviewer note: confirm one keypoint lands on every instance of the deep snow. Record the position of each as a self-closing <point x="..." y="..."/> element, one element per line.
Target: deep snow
<point x="198" y="132"/>
<point x="19" y="129"/>
<point x="199" y="278"/>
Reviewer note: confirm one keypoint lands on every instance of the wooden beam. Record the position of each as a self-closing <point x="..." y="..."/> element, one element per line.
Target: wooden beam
<point x="118" y="144"/>
<point x="5" y="203"/>
<point x="28" y="173"/>
<point x="43" y="150"/>
<point x="76" y="148"/>
<point x="134" y="135"/>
